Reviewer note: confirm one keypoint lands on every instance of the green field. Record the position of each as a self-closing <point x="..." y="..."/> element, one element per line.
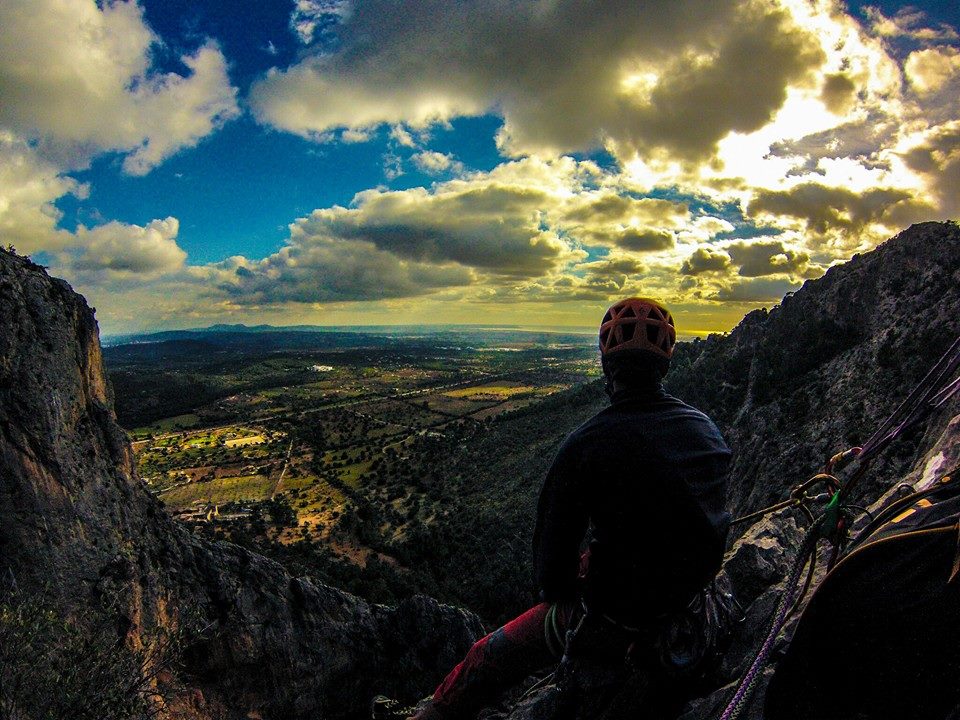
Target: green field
<point x="244" y="488"/>
<point x="170" y="424"/>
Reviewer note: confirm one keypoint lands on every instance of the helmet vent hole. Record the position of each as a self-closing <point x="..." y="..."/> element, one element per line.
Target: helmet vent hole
<point x="628" y="330"/>
<point x="652" y="333"/>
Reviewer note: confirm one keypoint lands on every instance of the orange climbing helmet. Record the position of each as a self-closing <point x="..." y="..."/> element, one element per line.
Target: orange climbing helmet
<point x="638" y="324"/>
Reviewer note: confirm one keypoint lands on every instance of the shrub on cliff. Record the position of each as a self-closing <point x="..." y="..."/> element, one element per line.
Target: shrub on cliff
<point x="52" y="667"/>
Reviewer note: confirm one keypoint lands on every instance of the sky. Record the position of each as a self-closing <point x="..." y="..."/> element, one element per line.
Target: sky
<point x="350" y="162"/>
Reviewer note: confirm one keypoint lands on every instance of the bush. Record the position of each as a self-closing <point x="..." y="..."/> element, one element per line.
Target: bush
<point x="53" y="668"/>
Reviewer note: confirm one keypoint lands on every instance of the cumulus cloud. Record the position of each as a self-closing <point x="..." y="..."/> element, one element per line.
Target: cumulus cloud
<point x="838" y="93"/>
<point x="122" y="250"/>
<point x="908" y="22"/>
<point x="787" y="115"/>
<point x="318" y="269"/>
<point x="29" y="186"/>
<point x="494" y="228"/>
<point x="644" y="240"/>
<point x="402" y="136"/>
<point x="937" y="157"/>
<point x="597" y="280"/>
<point x="612" y="219"/>
<point x="310" y="17"/>
<point x="771" y="257"/>
<point x="930" y="70"/>
<point x="757" y="290"/>
<point x="677" y="76"/>
<point x="824" y="210"/>
<point x="76" y="78"/>
<point x="436" y="163"/>
<point x="706" y="260"/>
<point x="759" y="105"/>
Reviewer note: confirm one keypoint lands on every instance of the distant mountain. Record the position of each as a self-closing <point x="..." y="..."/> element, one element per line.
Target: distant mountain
<point x="480" y="330"/>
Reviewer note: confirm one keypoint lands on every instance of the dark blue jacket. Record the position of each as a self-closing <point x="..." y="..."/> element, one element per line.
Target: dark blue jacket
<point x="647" y="476"/>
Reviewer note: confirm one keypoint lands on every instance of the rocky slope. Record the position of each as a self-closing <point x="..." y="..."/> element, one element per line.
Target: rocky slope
<point x="818" y="373"/>
<point x="792" y="386"/>
<point x="75" y="520"/>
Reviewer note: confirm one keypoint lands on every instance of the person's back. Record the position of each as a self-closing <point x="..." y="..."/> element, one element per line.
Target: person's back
<point x="647" y="478"/>
<point x="649" y="473"/>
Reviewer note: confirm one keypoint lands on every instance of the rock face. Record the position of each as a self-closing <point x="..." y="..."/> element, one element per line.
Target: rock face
<point x="76" y="520"/>
<point x="818" y="373"/>
<point x="792" y="386"/>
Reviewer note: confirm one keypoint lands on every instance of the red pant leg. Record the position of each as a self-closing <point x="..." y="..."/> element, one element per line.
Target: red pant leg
<point x="496" y="662"/>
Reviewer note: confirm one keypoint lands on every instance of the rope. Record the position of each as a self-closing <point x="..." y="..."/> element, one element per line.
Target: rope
<point x="760" y="513"/>
<point x="799" y="497"/>
<point x="788" y="600"/>
<point x="929" y="395"/>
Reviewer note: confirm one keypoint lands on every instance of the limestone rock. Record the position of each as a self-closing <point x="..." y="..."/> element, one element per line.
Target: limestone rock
<point x="76" y="518"/>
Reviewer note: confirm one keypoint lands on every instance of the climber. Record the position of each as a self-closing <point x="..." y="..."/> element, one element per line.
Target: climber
<point x="647" y="477"/>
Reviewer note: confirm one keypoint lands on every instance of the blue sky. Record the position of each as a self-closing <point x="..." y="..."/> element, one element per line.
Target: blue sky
<point x="329" y="161"/>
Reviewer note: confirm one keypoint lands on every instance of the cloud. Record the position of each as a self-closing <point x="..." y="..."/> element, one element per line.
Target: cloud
<point x="402" y="136"/>
<point x="122" y="250"/>
<point x="937" y="158"/>
<point x="930" y="70"/>
<point x="609" y="206"/>
<point x="29" y="186"/>
<point x="644" y="240"/>
<point x="757" y="290"/>
<point x="771" y="257"/>
<point x="608" y="218"/>
<point x="676" y="76"/>
<point x="310" y="17"/>
<point x="908" y="22"/>
<point x="706" y="260"/>
<point x="825" y="210"/>
<point x="76" y="79"/>
<point x="491" y="227"/>
<point x="318" y="269"/>
<point x="838" y="93"/>
<point x="436" y="163"/>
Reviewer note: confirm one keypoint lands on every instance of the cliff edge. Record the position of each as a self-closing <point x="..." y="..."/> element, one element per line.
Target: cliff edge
<point x="77" y="521"/>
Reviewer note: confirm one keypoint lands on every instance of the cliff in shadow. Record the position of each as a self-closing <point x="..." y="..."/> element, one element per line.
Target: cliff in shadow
<point x="78" y="524"/>
<point x="822" y="370"/>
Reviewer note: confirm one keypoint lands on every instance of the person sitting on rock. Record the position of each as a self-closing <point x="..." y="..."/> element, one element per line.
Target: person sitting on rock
<point x="647" y="478"/>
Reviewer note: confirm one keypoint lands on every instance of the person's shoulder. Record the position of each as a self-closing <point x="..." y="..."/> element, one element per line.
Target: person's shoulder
<point x="697" y="417"/>
<point x="676" y="403"/>
<point x="587" y="430"/>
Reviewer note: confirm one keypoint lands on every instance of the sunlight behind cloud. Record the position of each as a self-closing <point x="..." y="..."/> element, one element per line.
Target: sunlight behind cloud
<point x="711" y="152"/>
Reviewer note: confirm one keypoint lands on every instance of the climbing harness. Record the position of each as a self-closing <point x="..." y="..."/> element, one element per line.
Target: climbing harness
<point x="840" y="476"/>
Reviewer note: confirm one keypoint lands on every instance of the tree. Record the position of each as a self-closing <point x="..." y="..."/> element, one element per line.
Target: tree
<point x="281" y="513"/>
